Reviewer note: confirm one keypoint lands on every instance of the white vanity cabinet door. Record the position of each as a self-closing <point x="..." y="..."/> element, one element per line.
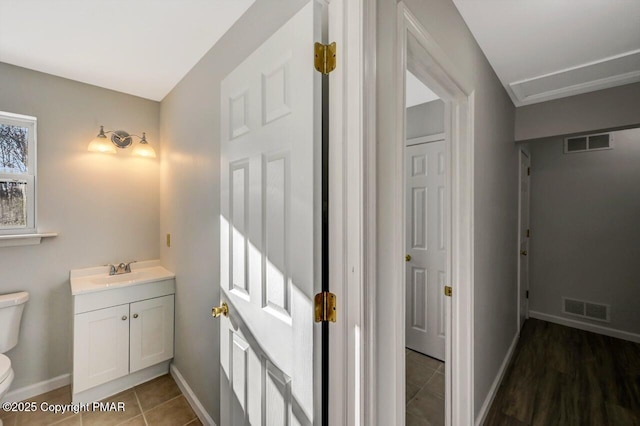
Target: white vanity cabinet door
<point x="151" y="339"/>
<point x="101" y="348"/>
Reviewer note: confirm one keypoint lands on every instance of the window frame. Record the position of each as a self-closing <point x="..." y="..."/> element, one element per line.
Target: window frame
<point x="30" y="178"/>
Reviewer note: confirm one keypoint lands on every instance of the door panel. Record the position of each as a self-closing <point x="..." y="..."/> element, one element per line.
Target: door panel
<point x="151" y="332"/>
<point x="101" y="353"/>
<point x="425" y="207"/>
<point x="270" y="229"/>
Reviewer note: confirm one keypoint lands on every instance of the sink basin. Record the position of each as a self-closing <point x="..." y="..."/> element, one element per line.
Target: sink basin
<point x="116" y="279"/>
<point x="90" y="280"/>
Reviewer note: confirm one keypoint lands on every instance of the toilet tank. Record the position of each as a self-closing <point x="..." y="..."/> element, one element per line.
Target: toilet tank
<point x="11" y="307"/>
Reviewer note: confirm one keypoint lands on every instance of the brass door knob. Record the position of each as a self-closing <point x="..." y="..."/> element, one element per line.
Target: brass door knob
<point x="124" y="318"/>
<point x="135" y="315"/>
<point x="407" y="258"/>
<point x="220" y="310"/>
<point x="524" y="252"/>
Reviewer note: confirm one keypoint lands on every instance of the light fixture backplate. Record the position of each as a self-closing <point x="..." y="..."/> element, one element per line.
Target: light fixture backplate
<point x="121" y="139"/>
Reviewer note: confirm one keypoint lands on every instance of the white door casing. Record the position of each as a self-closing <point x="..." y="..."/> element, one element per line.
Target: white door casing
<point x="524" y="235"/>
<point x="270" y="229"/>
<point x="425" y="210"/>
<point x="418" y="51"/>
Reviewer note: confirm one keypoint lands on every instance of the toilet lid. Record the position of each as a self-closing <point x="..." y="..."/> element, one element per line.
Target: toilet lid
<point x="5" y="367"/>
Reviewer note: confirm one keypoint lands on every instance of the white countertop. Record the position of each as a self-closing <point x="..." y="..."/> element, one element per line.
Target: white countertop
<point x="90" y="280"/>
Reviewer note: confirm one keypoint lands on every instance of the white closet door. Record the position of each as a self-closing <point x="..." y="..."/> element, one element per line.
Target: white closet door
<point x="425" y="243"/>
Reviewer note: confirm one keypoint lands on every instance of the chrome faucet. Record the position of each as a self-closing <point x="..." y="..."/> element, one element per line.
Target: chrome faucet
<point x="122" y="268"/>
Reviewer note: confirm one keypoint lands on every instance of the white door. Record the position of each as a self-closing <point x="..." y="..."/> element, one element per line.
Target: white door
<point x="151" y="338"/>
<point x="270" y="229"/>
<point x="426" y="251"/>
<point x="525" y="234"/>
<point x="101" y="351"/>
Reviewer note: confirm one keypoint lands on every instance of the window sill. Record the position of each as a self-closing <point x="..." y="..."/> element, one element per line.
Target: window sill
<point x="24" y="239"/>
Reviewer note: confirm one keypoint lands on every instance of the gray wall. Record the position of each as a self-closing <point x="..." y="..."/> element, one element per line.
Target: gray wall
<point x="190" y="188"/>
<point x="585" y="210"/>
<point x="496" y="197"/>
<point x="105" y="207"/>
<point x="614" y="108"/>
<point x="425" y="119"/>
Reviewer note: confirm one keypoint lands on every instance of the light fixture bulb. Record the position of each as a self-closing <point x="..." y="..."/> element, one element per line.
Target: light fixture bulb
<point x="101" y="144"/>
<point x="143" y="149"/>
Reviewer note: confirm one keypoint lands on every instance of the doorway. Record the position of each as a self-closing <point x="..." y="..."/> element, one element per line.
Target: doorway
<point x="524" y="233"/>
<point x="426" y="240"/>
<point x="419" y="54"/>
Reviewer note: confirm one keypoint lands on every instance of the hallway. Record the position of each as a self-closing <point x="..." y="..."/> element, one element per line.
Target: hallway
<point x="564" y="376"/>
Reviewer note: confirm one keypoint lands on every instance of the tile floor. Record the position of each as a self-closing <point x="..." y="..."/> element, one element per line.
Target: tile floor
<point x="425" y="390"/>
<point x="158" y="402"/>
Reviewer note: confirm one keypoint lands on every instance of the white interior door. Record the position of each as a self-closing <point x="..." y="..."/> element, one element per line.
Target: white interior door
<point x="523" y="258"/>
<point x="426" y="251"/>
<point x="270" y="229"/>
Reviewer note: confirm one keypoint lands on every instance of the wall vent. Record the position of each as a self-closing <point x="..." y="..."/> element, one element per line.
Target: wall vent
<point x="593" y="311"/>
<point x="595" y="142"/>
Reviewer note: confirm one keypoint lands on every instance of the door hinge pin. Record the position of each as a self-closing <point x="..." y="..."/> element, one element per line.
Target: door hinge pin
<point x="325" y="307"/>
<point x="448" y="291"/>
<point x="528" y="233"/>
<point x="325" y="57"/>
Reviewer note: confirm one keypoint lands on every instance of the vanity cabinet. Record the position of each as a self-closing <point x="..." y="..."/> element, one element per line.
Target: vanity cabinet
<point x="113" y="342"/>
<point x="122" y="336"/>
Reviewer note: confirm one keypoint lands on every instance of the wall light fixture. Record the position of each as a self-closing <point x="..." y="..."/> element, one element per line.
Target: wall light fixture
<point x="120" y="139"/>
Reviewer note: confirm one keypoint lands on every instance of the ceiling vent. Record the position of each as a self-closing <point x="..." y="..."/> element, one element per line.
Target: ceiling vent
<point x="594" y="311"/>
<point x="596" y="142"/>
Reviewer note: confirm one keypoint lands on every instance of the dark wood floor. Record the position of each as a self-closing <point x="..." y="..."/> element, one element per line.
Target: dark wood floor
<point x="563" y="376"/>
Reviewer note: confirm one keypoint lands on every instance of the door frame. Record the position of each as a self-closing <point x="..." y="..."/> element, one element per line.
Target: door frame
<point x="352" y="205"/>
<point x="433" y="65"/>
<point x="357" y="337"/>
<point x="523" y="150"/>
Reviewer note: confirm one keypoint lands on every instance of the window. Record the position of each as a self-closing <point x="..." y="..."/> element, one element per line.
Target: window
<point x="17" y="174"/>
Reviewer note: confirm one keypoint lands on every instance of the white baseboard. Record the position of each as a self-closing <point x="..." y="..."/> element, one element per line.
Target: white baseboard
<point x="202" y="414"/>
<point x="39" y="388"/>
<point x="580" y="325"/>
<point x="496" y="383"/>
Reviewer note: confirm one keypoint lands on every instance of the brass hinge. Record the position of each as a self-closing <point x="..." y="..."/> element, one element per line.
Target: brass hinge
<point x="528" y="171"/>
<point x="448" y="291"/>
<point x="325" y="57"/>
<point x="325" y="307"/>
<point x="528" y="233"/>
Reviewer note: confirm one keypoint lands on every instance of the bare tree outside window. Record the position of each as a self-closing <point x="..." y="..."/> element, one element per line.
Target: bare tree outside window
<point x="17" y="173"/>
<point x="14" y="142"/>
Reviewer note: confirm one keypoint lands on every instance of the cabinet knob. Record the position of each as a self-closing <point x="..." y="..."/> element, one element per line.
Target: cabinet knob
<point x="124" y="318"/>
<point x="135" y="315"/>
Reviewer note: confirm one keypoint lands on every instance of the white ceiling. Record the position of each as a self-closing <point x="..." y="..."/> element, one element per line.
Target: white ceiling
<point x="141" y="47"/>
<point x="547" y="49"/>
<point x="417" y="92"/>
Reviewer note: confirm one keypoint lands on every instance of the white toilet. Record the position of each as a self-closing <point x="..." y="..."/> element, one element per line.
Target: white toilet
<point x="11" y="307"/>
